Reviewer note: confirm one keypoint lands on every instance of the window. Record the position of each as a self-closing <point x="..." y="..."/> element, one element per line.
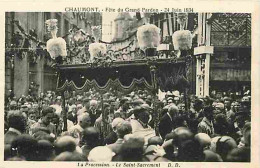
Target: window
<point x="231" y="29"/>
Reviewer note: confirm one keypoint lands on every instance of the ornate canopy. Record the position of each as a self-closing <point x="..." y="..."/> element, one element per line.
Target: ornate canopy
<point x="123" y="76"/>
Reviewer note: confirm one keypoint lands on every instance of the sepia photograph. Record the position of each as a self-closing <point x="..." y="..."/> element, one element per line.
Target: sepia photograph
<point x="130" y="86"/>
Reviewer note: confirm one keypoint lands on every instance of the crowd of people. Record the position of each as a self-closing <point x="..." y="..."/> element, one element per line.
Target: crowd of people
<point x="95" y="127"/>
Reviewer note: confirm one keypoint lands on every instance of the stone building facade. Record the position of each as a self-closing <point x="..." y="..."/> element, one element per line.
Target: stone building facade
<point x="22" y="69"/>
<point x="230" y="64"/>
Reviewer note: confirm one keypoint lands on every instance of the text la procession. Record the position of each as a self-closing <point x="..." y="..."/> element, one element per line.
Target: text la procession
<point x="121" y="164"/>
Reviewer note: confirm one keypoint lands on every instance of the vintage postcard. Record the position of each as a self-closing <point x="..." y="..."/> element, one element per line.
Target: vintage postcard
<point x="130" y="84"/>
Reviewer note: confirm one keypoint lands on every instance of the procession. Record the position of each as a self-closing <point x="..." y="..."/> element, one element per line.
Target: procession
<point x="127" y="87"/>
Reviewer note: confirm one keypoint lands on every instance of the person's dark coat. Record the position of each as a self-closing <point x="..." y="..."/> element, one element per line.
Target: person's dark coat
<point x="165" y="125"/>
<point x="111" y="138"/>
<point x="94" y="114"/>
<point x="73" y="118"/>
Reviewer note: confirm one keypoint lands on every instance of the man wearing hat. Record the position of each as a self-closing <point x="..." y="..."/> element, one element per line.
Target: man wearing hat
<point x="100" y="154"/>
<point x="198" y="107"/>
<point x="235" y="106"/>
<point x="123" y="128"/>
<point x="132" y="149"/>
<point x="85" y="106"/>
<point x="140" y="125"/>
<point x="227" y="103"/>
<point x="93" y="111"/>
<point x="79" y="107"/>
<point x="125" y="109"/>
<point x="246" y="103"/>
<point x="220" y="108"/>
<point x="17" y="126"/>
<point x="57" y="105"/>
<point x="166" y="123"/>
<point x="241" y="117"/>
<point x="230" y="114"/>
<point x="176" y="97"/>
<point x="84" y="121"/>
<point x="72" y="116"/>
<point x="206" y="125"/>
<point x="24" y="109"/>
<point x="13" y="105"/>
<point x="45" y="121"/>
<point x="112" y="136"/>
<point x="170" y="100"/>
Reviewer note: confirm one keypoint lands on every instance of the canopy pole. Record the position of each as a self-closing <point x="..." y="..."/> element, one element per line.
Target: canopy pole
<point x="155" y="90"/>
<point x="103" y="116"/>
<point x="185" y="89"/>
<point x="65" y="128"/>
<point x="64" y="109"/>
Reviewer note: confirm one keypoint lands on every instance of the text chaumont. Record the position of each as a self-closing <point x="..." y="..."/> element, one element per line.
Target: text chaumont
<point x="82" y="9"/>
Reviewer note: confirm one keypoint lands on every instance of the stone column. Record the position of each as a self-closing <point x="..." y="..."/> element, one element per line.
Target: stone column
<point x="62" y="27"/>
<point x="8" y="76"/>
<point x="207" y="60"/>
<point x="199" y="78"/>
<point x="21" y="75"/>
<point x="40" y="74"/>
<point x="203" y="53"/>
<point x="40" y="60"/>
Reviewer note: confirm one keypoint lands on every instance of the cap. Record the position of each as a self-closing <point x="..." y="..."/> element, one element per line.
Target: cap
<point x="93" y="102"/>
<point x="116" y="121"/>
<point x="135" y="141"/>
<point x="170" y="98"/>
<point x="176" y="98"/>
<point x="13" y="103"/>
<point x="169" y="93"/>
<point x="138" y="102"/>
<point x="219" y="105"/>
<point x="100" y="154"/>
<point x="24" y="106"/>
<point x="146" y="106"/>
<point x="79" y="105"/>
<point x="203" y="139"/>
<point x="176" y="93"/>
